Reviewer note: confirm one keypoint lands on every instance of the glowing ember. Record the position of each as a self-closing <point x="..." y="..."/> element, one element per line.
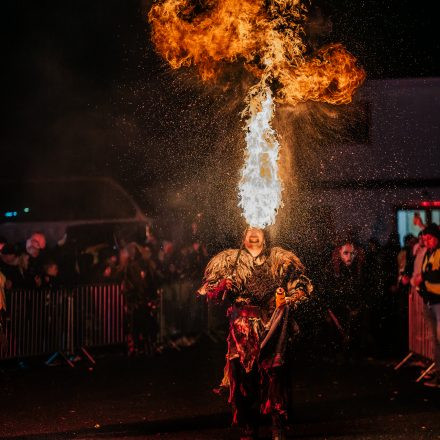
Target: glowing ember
<point x="260" y="186"/>
<point x="265" y="36"/>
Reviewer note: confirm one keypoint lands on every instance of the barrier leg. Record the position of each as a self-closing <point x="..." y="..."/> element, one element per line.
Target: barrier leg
<point x="425" y="372"/>
<point x="404" y="360"/>
<point x="52" y="358"/>
<point x="69" y="362"/>
<point x="88" y="356"/>
<point x="60" y="353"/>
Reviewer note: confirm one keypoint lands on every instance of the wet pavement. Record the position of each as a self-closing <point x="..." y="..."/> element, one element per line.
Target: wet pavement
<point x="170" y="397"/>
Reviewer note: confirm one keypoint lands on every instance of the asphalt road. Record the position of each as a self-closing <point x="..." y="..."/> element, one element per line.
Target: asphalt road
<point x="170" y="397"/>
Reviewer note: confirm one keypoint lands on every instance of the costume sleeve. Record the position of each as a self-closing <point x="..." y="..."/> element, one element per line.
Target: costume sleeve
<point x="292" y="273"/>
<point x="213" y="291"/>
<point x="217" y="270"/>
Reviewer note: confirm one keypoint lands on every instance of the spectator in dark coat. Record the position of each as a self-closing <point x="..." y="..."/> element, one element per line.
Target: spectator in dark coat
<point x="346" y="297"/>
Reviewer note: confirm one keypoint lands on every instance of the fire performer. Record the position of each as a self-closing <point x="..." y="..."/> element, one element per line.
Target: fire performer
<point x="264" y="286"/>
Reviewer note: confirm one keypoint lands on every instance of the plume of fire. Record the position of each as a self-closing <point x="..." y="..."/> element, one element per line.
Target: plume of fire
<point x="260" y="187"/>
<point x="265" y="36"/>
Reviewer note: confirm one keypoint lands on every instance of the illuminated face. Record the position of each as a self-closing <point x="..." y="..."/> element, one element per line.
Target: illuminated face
<point x="431" y="241"/>
<point x="347" y="254"/>
<point x="38" y="240"/>
<point x="254" y="238"/>
<point x="32" y="247"/>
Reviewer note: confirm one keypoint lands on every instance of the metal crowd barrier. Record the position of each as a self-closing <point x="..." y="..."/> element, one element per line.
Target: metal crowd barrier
<point x="419" y="334"/>
<point x="63" y="320"/>
<point x="420" y="340"/>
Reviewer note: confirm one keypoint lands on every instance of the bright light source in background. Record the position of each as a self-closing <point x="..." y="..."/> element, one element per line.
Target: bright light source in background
<point x="405" y="222"/>
<point x="435" y="216"/>
<point x="10" y="214"/>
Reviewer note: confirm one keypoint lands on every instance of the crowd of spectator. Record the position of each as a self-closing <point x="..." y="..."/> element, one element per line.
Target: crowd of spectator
<point x="364" y="290"/>
<point x="361" y="288"/>
<point x="33" y="265"/>
<point x="143" y="269"/>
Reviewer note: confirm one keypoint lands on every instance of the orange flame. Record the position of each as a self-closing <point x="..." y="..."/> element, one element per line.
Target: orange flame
<point x="223" y="31"/>
<point x="263" y="36"/>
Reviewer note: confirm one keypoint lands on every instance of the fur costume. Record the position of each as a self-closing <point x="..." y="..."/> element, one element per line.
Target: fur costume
<point x="261" y="325"/>
<point x="285" y="266"/>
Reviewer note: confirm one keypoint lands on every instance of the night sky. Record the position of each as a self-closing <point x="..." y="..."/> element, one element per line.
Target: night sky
<point x="85" y="94"/>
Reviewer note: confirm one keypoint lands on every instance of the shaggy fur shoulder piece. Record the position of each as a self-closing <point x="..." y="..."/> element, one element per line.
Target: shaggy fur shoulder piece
<point x="283" y="262"/>
<point x="221" y="266"/>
